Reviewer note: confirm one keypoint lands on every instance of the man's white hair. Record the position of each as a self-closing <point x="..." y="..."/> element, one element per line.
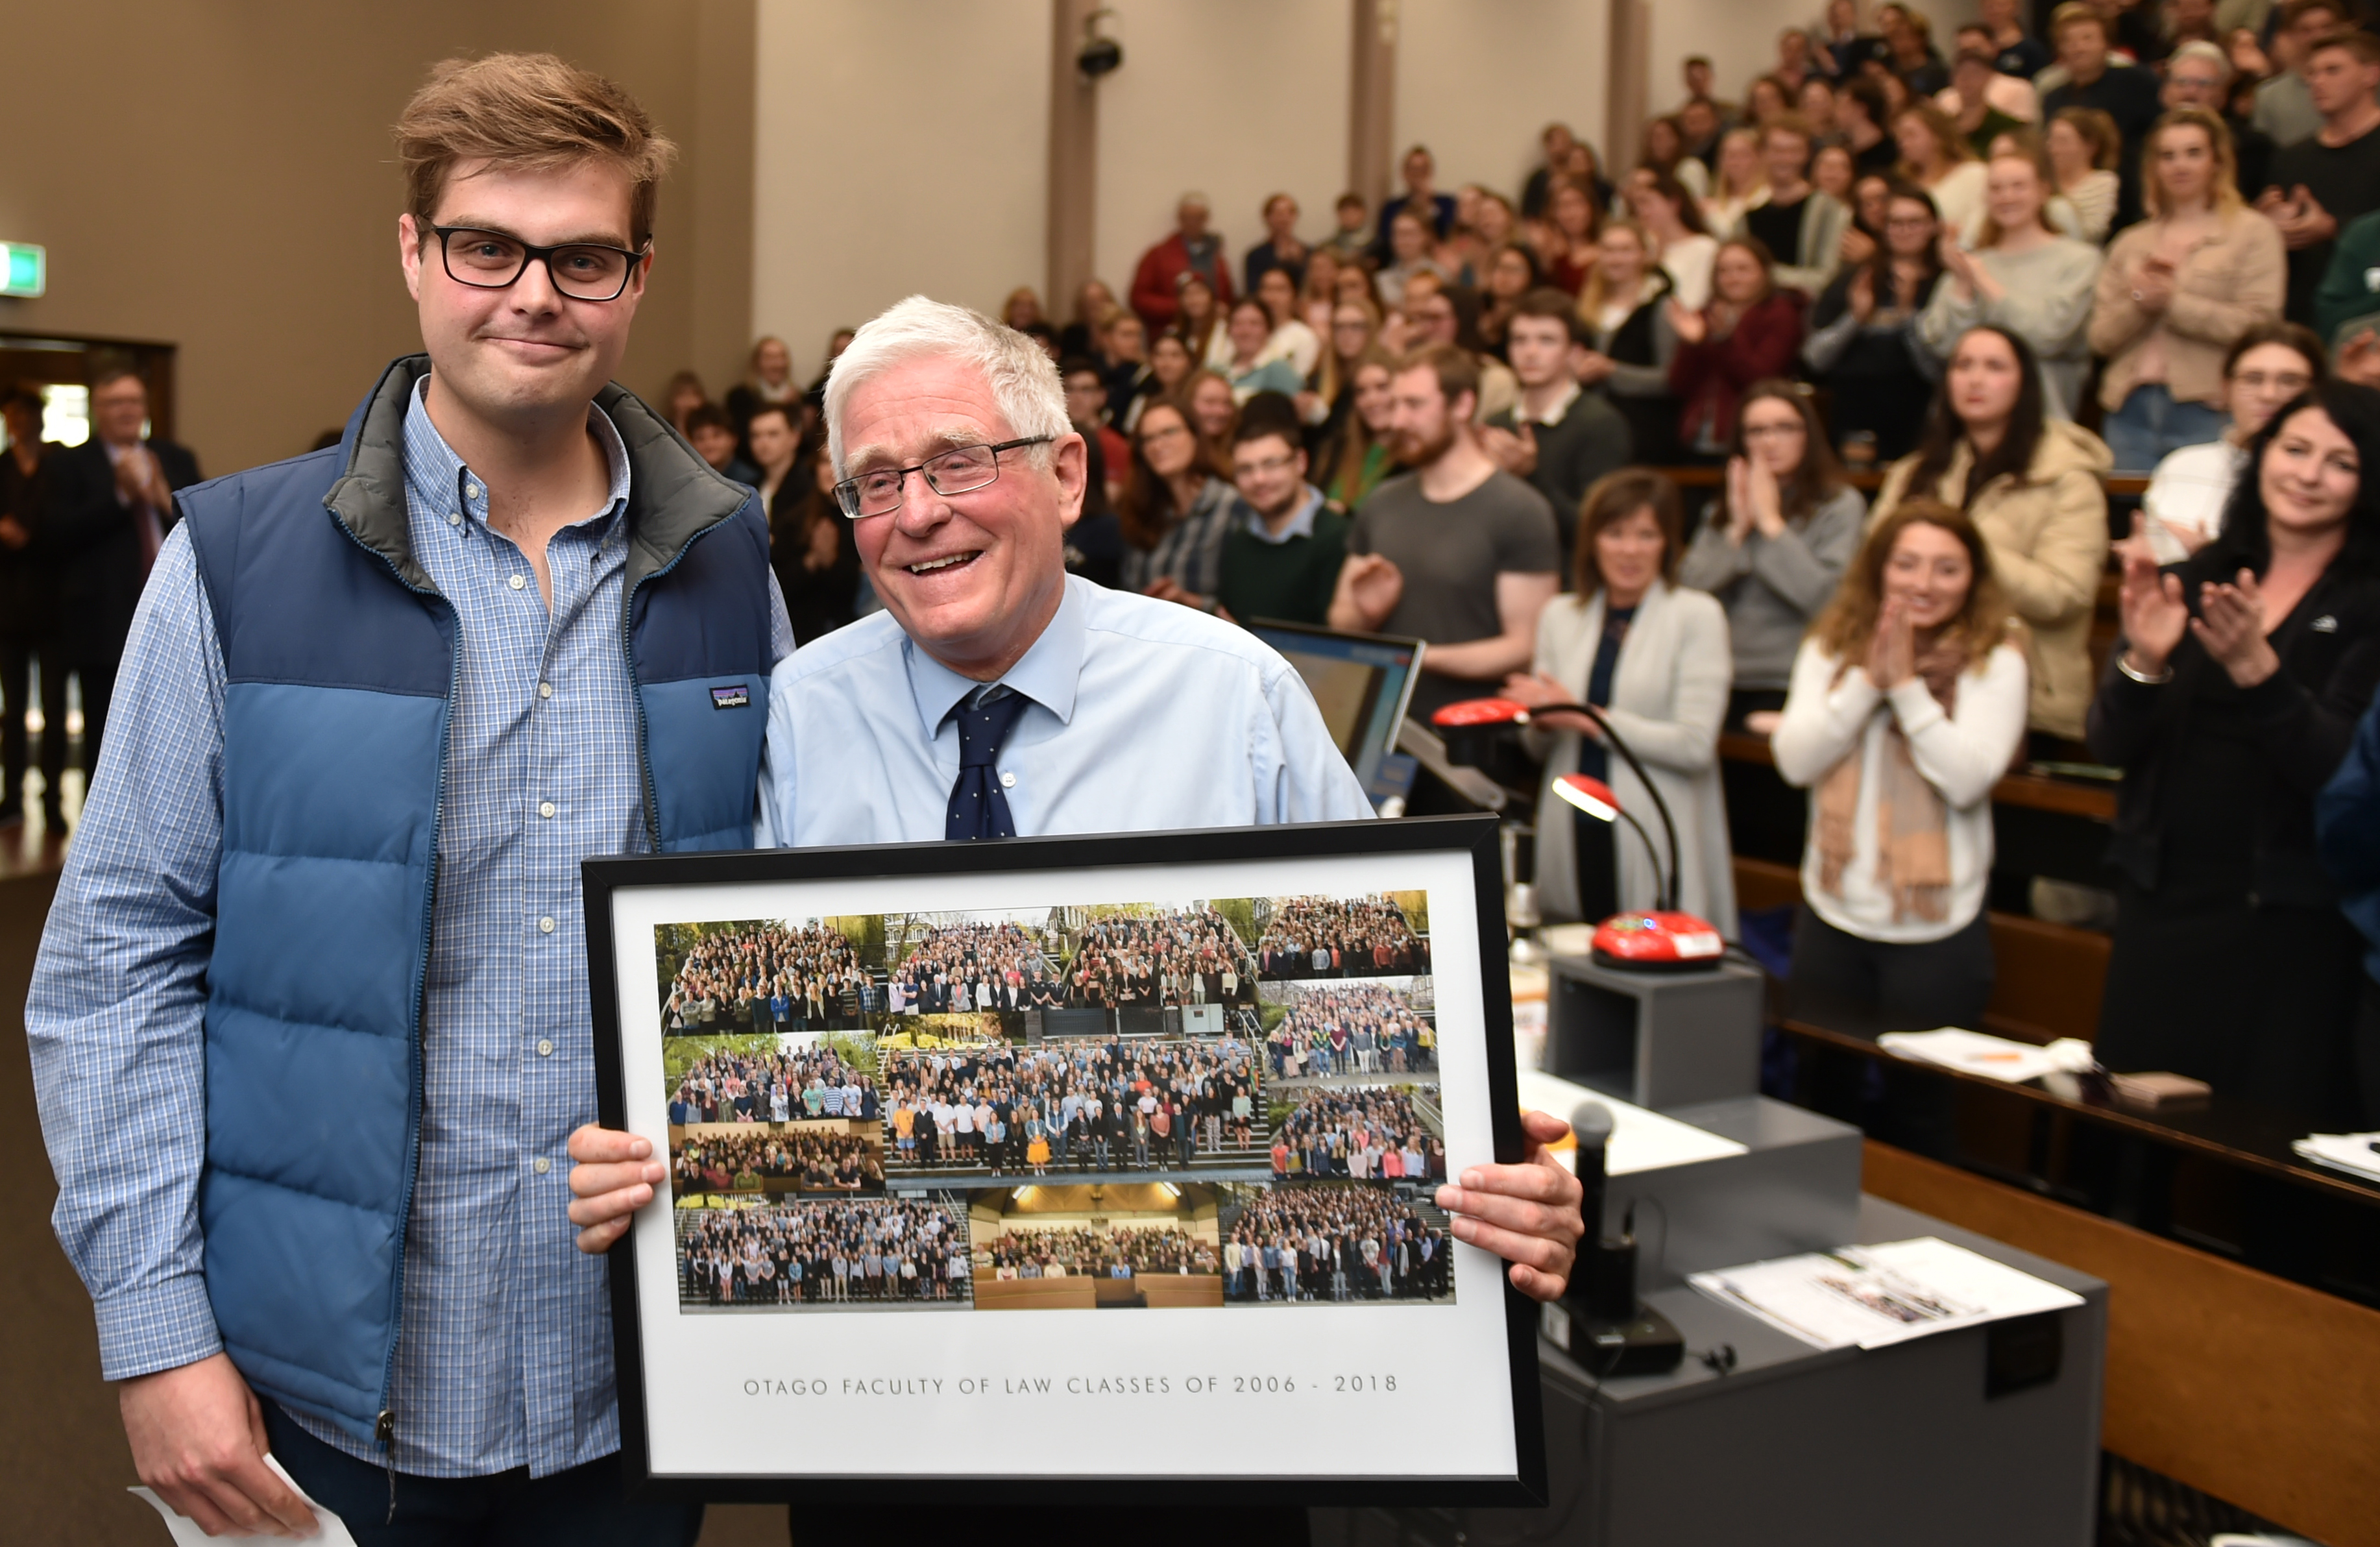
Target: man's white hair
<point x="1023" y="378"/>
<point x="2198" y="48"/>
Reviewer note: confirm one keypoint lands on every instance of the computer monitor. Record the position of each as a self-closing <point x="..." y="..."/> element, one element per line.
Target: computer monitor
<point x="1362" y="682"/>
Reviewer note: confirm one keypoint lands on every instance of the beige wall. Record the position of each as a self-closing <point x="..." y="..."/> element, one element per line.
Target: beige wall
<point x="903" y="146"/>
<point x="1238" y="99"/>
<point x="1477" y="85"/>
<point x="158" y="149"/>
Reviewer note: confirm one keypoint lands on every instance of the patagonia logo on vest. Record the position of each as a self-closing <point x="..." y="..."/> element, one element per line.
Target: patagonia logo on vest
<point x="731" y="698"/>
<point x="2325" y="624"/>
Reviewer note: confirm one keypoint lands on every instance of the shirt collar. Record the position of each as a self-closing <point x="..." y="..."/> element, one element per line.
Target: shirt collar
<point x="440" y="483"/>
<point x="1554" y="415"/>
<point x="1301" y="522"/>
<point x="1048" y="674"/>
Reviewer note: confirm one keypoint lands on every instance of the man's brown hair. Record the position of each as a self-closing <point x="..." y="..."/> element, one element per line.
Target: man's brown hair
<point x="527" y="112"/>
<point x="1456" y="372"/>
<point x="2363" y="46"/>
<point x="2074" y="12"/>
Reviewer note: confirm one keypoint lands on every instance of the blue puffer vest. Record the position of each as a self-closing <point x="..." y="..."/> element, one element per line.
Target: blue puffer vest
<point x="341" y="662"/>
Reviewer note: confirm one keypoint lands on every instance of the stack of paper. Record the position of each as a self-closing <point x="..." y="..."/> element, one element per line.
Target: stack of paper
<point x="1870" y="1297"/>
<point x="1641" y="1140"/>
<point x="1973" y="1053"/>
<point x="2347" y="1151"/>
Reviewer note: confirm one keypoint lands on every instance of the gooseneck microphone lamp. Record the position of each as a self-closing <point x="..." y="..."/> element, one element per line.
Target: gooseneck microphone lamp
<point x="1665" y="940"/>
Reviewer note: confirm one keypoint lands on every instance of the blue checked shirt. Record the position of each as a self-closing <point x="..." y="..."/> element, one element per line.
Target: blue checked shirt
<point x="504" y="1355"/>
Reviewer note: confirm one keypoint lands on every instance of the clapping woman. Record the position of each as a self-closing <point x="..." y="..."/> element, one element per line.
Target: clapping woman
<point x="2233" y="698"/>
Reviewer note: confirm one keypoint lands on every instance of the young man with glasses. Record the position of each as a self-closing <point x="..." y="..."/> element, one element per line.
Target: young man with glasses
<point x="1282" y="560"/>
<point x="310" y="1017"/>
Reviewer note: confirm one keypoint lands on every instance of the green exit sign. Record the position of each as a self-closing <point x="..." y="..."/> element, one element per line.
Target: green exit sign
<point x="24" y="269"/>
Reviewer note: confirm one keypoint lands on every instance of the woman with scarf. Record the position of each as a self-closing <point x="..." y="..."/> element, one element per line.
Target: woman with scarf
<point x="1908" y="702"/>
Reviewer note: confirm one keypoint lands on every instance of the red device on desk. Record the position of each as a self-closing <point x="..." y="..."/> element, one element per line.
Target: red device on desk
<point x="1664" y="940"/>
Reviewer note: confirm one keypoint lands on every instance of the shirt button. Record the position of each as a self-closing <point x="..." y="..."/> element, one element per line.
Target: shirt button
<point x="545" y="926"/>
<point x="545" y="689"/>
<point x="1008" y="781"/>
<point x="454" y="518"/>
<point x="545" y="1047"/>
<point x="544" y="1166"/>
<point x="471" y="490"/>
<point x="545" y="808"/>
<point x="517" y="581"/>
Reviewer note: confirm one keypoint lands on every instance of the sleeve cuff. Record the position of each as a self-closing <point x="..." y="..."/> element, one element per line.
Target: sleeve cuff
<point x="2276" y="698"/>
<point x="1915" y="705"/>
<point x="160" y="1326"/>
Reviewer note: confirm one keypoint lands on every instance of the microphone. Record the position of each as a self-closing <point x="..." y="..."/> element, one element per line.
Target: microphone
<point x="1604" y="1278"/>
<point x="1592" y="1123"/>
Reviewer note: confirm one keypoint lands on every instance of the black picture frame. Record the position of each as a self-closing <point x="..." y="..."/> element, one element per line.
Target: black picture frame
<point x="1474" y="836"/>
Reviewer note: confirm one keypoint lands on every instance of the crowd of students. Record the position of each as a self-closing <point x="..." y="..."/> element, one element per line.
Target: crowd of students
<point x="1120" y="1105"/>
<point x="766" y="980"/>
<point x="1096" y="1251"/>
<point x="1359" y="1133"/>
<point x="780" y="1087"/>
<point x="1336" y="1243"/>
<point x="824" y="1253"/>
<point x="1172" y="957"/>
<point x="811" y="1161"/>
<point x="1335" y="937"/>
<point x="1351" y="1028"/>
<point x="952" y="969"/>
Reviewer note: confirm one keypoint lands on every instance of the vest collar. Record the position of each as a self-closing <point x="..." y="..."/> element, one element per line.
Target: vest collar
<point x="674" y="495"/>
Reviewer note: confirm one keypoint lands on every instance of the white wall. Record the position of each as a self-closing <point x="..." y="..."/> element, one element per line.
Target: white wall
<point x="1238" y="99"/>
<point x="903" y="145"/>
<point x="1477" y="83"/>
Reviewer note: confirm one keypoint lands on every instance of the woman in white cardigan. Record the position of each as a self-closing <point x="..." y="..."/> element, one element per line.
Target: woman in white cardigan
<point x="1655" y="658"/>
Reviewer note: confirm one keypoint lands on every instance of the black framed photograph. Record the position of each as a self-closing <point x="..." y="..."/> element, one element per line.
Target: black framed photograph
<point x="1093" y="1169"/>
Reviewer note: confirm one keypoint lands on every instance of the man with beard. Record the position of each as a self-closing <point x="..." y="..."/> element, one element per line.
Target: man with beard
<point x="1456" y="551"/>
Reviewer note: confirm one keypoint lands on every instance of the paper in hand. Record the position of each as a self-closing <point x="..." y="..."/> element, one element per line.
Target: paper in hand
<point x="330" y="1530"/>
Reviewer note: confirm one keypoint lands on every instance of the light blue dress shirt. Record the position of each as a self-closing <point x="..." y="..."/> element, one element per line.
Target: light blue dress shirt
<point x="1145" y="717"/>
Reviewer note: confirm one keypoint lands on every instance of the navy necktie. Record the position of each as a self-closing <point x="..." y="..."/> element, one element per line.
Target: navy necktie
<point x="979" y="809"/>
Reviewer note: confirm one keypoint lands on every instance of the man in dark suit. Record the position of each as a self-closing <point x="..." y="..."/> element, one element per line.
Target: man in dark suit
<point x="28" y="614"/>
<point x="111" y="506"/>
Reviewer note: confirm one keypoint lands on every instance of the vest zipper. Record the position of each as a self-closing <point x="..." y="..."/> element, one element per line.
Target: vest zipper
<point x="384" y="1425"/>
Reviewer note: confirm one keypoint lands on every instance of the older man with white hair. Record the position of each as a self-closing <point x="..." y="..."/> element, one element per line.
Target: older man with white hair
<point x="995" y="696"/>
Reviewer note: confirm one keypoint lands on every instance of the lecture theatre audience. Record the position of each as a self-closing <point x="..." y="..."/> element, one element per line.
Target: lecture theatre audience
<point x="1863" y="346"/>
<point x="1114" y="1250"/>
<point x="2265" y="369"/>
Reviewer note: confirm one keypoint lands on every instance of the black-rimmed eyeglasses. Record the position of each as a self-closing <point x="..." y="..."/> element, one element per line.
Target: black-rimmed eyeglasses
<point x="492" y="261"/>
<point x="956" y="472"/>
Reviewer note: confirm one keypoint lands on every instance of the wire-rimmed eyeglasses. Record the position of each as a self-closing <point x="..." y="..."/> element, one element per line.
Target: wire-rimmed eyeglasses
<point x="956" y="472"/>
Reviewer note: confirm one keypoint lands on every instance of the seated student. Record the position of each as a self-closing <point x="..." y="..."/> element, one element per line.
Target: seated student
<point x="1801" y="224"/>
<point x="1750" y="332"/>
<point x="1628" y="344"/>
<point x="2349" y="291"/>
<point x="2023" y="276"/>
<point x="1559" y="436"/>
<point x="1175" y="510"/>
<point x="1863" y="346"/>
<point x="1672" y="220"/>
<point x="1937" y="157"/>
<point x="1654" y="656"/>
<point x="1773" y="548"/>
<point x="2266" y="367"/>
<point x="2031" y="485"/>
<point x="1246" y="364"/>
<point x="1907" y="704"/>
<point x="712" y="434"/>
<point x="2232" y="699"/>
<point x="1359" y="455"/>
<point x="2178" y="290"/>
<point x="1281" y="561"/>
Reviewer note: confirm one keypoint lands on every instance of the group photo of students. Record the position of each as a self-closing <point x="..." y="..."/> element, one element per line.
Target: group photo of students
<point x="958" y="964"/>
<point x="803" y="1078"/>
<point x="1379" y="1028"/>
<point x="909" y="1252"/>
<point x="1339" y="937"/>
<point x="1335" y="1243"/>
<point x="1116" y="1249"/>
<point x="1359" y="1132"/>
<point x="709" y="1158"/>
<point x="1160" y="956"/>
<point x="1120" y="1105"/>
<point x="764" y="979"/>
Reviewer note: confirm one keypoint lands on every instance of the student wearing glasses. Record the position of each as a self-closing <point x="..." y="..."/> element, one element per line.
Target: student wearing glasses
<point x="417" y="654"/>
